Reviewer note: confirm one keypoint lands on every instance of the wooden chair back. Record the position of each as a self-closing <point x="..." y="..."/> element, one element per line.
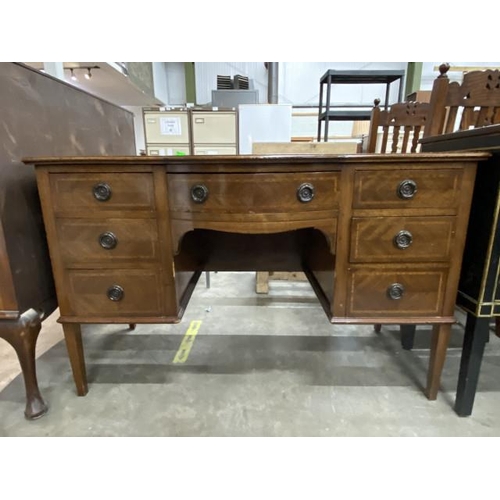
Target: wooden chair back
<point x="473" y="103"/>
<point x="403" y="123"/>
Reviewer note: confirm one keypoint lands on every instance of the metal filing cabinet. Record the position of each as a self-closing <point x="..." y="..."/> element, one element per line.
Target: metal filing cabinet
<point x="214" y="132"/>
<point x="167" y="132"/>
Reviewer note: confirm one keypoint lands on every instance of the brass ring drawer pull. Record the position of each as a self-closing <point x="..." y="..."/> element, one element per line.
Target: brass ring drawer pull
<point x="396" y="291"/>
<point x="102" y="191"/>
<point x="108" y="240"/>
<point x="305" y="193"/>
<point x="115" y="293"/>
<point x="199" y="193"/>
<point x="403" y="240"/>
<point x="407" y="189"/>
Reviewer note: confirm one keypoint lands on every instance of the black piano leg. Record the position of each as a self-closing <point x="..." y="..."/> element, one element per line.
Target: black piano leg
<point x="407" y="336"/>
<point x="476" y="335"/>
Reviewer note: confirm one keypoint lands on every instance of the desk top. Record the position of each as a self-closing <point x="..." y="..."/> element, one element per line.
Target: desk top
<point x="265" y="163"/>
<point x="482" y="138"/>
<point x="362" y="76"/>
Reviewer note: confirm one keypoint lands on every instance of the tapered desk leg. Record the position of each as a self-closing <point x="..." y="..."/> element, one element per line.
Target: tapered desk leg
<point x="73" y="337"/>
<point x="22" y="335"/>
<point x="440" y="339"/>
<point x="476" y="335"/>
<point x="407" y="336"/>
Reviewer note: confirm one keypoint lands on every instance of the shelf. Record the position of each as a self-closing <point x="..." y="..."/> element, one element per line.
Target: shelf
<point x="345" y="115"/>
<point x="332" y="77"/>
<point x="362" y="76"/>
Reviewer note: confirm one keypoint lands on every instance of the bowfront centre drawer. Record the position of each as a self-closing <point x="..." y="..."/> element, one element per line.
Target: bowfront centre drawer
<point x="407" y="188"/>
<point x="377" y="292"/>
<point x="106" y="241"/>
<point x="257" y="193"/>
<point x="115" y="292"/>
<point x="401" y="239"/>
<point x="102" y="191"/>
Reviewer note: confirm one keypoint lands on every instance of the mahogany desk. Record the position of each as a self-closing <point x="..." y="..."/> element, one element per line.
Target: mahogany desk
<point x="380" y="237"/>
<point x="478" y="291"/>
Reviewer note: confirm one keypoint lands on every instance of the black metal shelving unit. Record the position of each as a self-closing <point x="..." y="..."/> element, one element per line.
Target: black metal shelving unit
<point x="332" y="77"/>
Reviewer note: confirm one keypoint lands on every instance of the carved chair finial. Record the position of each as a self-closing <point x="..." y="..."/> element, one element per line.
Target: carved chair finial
<point x="443" y="69"/>
<point x="376" y="102"/>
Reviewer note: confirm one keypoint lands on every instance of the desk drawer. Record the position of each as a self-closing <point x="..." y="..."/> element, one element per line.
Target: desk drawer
<point x="257" y="193"/>
<point x="375" y="291"/>
<point x="102" y="191"/>
<point x="115" y="292"/>
<point x="110" y="240"/>
<point x="407" y="188"/>
<point x="401" y="239"/>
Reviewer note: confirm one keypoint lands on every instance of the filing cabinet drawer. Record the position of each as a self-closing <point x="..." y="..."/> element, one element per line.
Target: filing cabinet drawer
<point x="115" y="292"/>
<point x="407" y="188"/>
<point x="102" y="191"/>
<point x="258" y="193"/>
<point x="166" y="127"/>
<point x="376" y="291"/>
<point x="401" y="239"/>
<point x="216" y="127"/>
<point x="107" y="241"/>
<point x="215" y="150"/>
<point x="168" y="150"/>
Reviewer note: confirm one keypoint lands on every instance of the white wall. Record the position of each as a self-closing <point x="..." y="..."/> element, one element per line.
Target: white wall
<point x="176" y="82"/>
<point x="206" y="77"/>
<point x="429" y="74"/>
<point x="298" y="82"/>
<point x="140" y="138"/>
<point x="160" y="82"/>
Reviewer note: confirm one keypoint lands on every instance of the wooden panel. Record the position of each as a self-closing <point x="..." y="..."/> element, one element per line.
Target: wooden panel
<point x="44" y="116"/>
<point x="373" y="239"/>
<point x="74" y="192"/>
<point x="136" y="240"/>
<point x="334" y="147"/>
<point x="8" y="302"/>
<point x="240" y="193"/>
<point x="369" y="285"/>
<point x="436" y="188"/>
<point x="88" y="292"/>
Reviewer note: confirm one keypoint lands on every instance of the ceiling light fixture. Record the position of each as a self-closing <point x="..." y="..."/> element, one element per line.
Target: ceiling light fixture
<point x="74" y="71"/>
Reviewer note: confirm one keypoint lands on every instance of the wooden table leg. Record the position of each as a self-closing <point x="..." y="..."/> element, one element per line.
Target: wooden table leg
<point x="73" y="337"/>
<point x="440" y="339"/>
<point x="407" y="336"/>
<point x="22" y="335"/>
<point x="476" y="335"/>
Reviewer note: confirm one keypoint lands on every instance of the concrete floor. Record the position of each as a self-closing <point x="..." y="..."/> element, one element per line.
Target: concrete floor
<point x="260" y="365"/>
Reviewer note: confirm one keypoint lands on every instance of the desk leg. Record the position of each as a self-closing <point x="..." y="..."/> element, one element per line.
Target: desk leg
<point x="440" y="339"/>
<point x="73" y="337"/>
<point x="22" y="335"/>
<point x="476" y="335"/>
<point x="407" y="336"/>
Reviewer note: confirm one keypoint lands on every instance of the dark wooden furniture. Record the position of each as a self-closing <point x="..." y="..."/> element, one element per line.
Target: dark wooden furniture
<point x="478" y="292"/>
<point x="129" y="236"/>
<point x="333" y="77"/>
<point x="40" y="116"/>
